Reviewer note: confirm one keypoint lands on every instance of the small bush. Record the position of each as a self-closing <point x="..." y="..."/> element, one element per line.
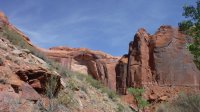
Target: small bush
<point x="63" y="72"/>
<point x="51" y="87"/>
<point x="93" y="82"/>
<point x="123" y="108"/>
<point x="98" y="85"/>
<point x="72" y="84"/>
<point x="66" y="98"/>
<point x="111" y="94"/>
<point x="137" y="93"/>
<point x="183" y="103"/>
<point x="14" y="37"/>
<point x="120" y="108"/>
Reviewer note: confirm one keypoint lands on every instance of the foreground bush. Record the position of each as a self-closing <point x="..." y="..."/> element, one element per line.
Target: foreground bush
<point x="183" y="103"/>
<point x="137" y="93"/>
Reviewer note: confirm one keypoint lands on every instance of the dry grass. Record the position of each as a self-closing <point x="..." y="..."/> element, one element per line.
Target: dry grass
<point x="183" y="103"/>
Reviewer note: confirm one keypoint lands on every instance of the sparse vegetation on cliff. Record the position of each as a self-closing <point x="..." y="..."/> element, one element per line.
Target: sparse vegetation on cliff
<point x="79" y="91"/>
<point x="98" y="85"/>
<point x="137" y="93"/>
<point x="183" y="103"/>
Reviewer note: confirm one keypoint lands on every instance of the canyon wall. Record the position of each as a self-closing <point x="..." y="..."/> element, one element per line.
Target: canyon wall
<point x="161" y="59"/>
<point x="99" y="65"/>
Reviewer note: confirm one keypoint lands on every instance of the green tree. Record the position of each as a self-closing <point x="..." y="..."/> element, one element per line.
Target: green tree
<point x="191" y="27"/>
<point x="137" y="93"/>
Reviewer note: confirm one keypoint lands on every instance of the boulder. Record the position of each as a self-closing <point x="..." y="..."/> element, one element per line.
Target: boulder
<point x="39" y="78"/>
<point x="29" y="93"/>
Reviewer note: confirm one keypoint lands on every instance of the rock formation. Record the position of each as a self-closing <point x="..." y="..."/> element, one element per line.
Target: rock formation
<point x="173" y="63"/>
<point x="161" y="59"/>
<point x="139" y="71"/>
<point x="23" y="76"/>
<point x="121" y="75"/>
<point x="29" y="81"/>
<point x="98" y="64"/>
<point x="156" y="62"/>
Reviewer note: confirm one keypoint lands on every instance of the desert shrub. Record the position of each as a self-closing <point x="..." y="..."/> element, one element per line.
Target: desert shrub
<point x="120" y="108"/>
<point x="96" y="84"/>
<point x="66" y="98"/>
<point x="84" y="88"/>
<point x="111" y="94"/>
<point x="93" y="82"/>
<point x="51" y="86"/>
<point x="163" y="108"/>
<point x="80" y="76"/>
<point x="13" y="37"/>
<point x="51" y="89"/>
<point x="137" y="93"/>
<point x="63" y="71"/>
<point x="123" y="108"/>
<point x="72" y="84"/>
<point x="183" y="103"/>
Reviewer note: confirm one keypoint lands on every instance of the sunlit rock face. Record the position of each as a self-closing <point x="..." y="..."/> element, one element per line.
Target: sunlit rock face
<point x="99" y="65"/>
<point x="161" y="59"/>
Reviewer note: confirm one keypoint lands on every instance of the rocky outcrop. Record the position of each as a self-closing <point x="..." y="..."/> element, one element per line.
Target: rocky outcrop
<point x="173" y="62"/>
<point x="121" y="75"/>
<point x="139" y="71"/>
<point x="28" y="83"/>
<point x="5" y="23"/>
<point x="161" y="59"/>
<point x="98" y="64"/>
<point x="3" y="19"/>
<point x="39" y="79"/>
<point x="24" y="76"/>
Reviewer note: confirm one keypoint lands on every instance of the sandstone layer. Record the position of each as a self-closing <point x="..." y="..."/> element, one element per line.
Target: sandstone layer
<point x="161" y="59"/>
<point x="99" y="65"/>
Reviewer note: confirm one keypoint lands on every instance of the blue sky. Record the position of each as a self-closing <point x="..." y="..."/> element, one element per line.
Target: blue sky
<point x="106" y="25"/>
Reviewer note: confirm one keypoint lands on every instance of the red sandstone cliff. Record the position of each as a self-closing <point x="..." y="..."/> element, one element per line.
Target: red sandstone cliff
<point x="96" y="63"/>
<point x="157" y="62"/>
<point x="4" y="22"/>
<point x="161" y="59"/>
